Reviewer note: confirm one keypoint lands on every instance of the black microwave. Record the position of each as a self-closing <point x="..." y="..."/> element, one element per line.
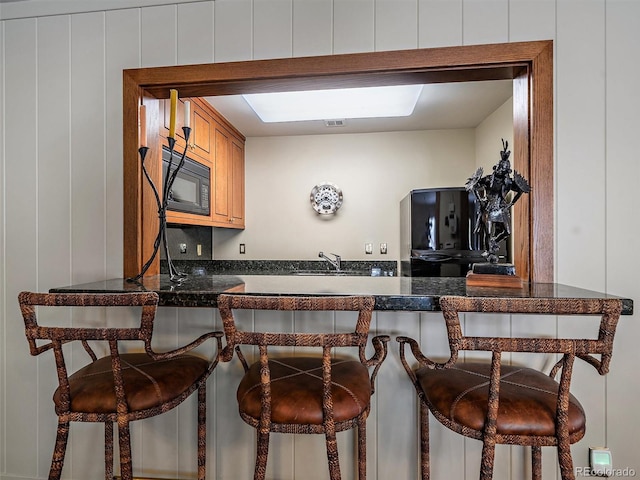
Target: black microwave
<point x="190" y="190"/>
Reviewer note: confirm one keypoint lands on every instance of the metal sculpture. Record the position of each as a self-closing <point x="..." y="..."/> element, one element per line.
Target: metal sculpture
<point x="496" y="194"/>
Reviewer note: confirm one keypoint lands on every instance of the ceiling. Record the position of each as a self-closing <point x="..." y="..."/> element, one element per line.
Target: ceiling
<point x="440" y="106"/>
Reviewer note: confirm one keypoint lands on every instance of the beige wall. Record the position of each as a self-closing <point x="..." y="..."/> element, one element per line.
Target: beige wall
<point x="375" y="171"/>
<point x="61" y="204"/>
<point x="489" y="135"/>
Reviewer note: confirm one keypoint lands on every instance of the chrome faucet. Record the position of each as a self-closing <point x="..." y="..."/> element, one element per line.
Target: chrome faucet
<point x="335" y="263"/>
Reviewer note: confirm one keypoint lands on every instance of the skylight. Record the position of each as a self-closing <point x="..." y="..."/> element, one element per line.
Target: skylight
<point x="368" y="102"/>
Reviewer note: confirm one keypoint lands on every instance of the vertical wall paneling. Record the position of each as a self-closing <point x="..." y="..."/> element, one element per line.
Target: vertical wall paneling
<point x="88" y="188"/>
<point x="122" y="51"/>
<point x="396" y="417"/>
<point x="54" y="205"/>
<point x="158" y="36"/>
<point x="37" y="8"/>
<point x="580" y="142"/>
<point x="396" y="24"/>
<point x="353" y="26"/>
<point x="272" y="29"/>
<point x="622" y="173"/>
<point x="193" y="322"/>
<point x="3" y="295"/>
<point x="581" y="168"/>
<point x="312" y="27"/>
<point x="195" y="33"/>
<point x="532" y="20"/>
<point x="233" y="30"/>
<point x="440" y="23"/>
<point x="21" y="237"/>
<point x="156" y="441"/>
<point x="234" y="439"/>
<point x="485" y="21"/>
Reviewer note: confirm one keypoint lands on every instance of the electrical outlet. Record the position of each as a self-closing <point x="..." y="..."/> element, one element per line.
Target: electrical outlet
<point x="242" y="249"/>
<point x="368" y="248"/>
<point x="600" y="461"/>
<point x="183" y="248"/>
<point x="383" y="248"/>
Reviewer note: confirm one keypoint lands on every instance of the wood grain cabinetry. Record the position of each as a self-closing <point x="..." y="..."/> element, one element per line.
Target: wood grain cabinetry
<point x="228" y="179"/>
<point x="214" y="142"/>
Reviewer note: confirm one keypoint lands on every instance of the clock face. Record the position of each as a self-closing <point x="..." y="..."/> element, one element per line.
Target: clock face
<point x="326" y="198"/>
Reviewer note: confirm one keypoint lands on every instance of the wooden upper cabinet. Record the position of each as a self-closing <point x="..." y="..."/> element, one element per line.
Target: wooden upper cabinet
<point x="217" y="144"/>
<point x="200" y="140"/>
<point x="237" y="183"/>
<point x="228" y="177"/>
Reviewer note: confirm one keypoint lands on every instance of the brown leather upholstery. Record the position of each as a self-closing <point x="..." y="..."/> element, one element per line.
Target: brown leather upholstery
<point x="293" y="393"/>
<point x="296" y="389"/>
<point x="527" y="406"/>
<point x="119" y="387"/>
<point x="510" y="404"/>
<point x="148" y="383"/>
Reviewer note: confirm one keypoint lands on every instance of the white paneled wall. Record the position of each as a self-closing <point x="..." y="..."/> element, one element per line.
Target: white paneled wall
<point x="61" y="207"/>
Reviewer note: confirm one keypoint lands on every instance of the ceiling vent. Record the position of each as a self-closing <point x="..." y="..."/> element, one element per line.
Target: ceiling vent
<point x="338" y="122"/>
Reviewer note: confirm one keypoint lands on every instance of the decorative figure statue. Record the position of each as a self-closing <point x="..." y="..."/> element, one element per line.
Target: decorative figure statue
<point x="496" y="194"/>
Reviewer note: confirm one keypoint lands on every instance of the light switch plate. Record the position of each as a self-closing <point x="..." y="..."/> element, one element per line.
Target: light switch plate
<point x="368" y="248"/>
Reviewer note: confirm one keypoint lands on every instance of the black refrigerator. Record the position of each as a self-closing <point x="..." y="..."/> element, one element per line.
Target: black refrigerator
<point x="437" y="236"/>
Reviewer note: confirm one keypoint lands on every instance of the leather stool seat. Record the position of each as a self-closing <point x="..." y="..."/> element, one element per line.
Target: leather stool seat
<point x="148" y="383"/>
<point x="296" y="390"/>
<point x="527" y="399"/>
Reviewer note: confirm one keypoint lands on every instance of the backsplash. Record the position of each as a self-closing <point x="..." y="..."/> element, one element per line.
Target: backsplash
<point x="183" y="241"/>
<point x="277" y="267"/>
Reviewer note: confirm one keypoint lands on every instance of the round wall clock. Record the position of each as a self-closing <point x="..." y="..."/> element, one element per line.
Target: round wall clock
<point x="326" y="198"/>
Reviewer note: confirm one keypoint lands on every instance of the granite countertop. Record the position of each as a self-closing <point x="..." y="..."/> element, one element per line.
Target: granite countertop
<point x="391" y="293"/>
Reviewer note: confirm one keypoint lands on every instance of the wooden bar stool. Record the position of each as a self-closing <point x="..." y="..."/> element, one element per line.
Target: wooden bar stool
<point x="302" y="393"/>
<point x="119" y="387"/>
<point x="508" y="404"/>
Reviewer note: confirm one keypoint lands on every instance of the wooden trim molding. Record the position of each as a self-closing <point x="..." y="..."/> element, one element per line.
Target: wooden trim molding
<point x="528" y="64"/>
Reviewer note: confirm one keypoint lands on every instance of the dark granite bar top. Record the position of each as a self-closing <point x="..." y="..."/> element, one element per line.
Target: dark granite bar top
<point x="391" y="293"/>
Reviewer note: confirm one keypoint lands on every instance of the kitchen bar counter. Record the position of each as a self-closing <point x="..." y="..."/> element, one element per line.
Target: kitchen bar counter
<point x="391" y="293"/>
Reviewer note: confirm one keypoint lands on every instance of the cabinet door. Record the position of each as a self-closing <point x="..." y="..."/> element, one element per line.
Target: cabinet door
<point x="200" y="141"/>
<point x="237" y="184"/>
<point x="221" y="213"/>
